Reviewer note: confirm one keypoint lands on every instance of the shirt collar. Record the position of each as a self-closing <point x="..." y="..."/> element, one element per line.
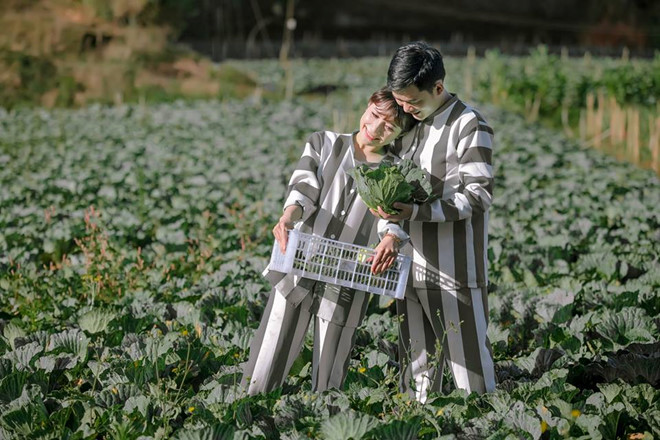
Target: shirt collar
<point x="445" y="105"/>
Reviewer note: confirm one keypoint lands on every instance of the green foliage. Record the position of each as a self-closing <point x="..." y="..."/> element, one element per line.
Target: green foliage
<point x="132" y="318"/>
<point x="37" y="75"/>
<point x="558" y="82"/>
<point x="390" y="183"/>
<point x="95" y="321"/>
<point x="346" y="426"/>
<point x="216" y="432"/>
<point x="397" y="430"/>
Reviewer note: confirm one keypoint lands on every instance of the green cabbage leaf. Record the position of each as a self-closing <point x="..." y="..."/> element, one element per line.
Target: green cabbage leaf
<point x="389" y="183"/>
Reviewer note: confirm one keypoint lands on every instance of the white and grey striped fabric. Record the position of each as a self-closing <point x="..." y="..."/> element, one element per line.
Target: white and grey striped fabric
<point x="445" y="309"/>
<point x="281" y="333"/>
<point x="445" y="327"/>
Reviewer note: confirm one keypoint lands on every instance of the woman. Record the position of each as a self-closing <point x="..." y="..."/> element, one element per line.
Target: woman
<point x="322" y="200"/>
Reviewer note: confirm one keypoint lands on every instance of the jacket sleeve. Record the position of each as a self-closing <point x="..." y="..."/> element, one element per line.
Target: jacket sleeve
<point x="474" y="194"/>
<point x="305" y="184"/>
<point x="387" y="227"/>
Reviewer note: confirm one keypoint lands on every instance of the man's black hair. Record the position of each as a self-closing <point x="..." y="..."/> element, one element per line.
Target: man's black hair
<point x="417" y="64"/>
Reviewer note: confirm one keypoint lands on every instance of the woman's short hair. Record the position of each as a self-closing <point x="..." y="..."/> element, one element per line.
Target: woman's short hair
<point x="384" y="100"/>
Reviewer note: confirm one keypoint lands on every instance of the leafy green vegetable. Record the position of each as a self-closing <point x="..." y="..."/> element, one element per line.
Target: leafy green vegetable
<point x="185" y="195"/>
<point x="390" y="183"/>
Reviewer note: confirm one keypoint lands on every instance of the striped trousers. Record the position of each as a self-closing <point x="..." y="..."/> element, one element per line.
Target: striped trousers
<point x="281" y="334"/>
<point x="441" y="327"/>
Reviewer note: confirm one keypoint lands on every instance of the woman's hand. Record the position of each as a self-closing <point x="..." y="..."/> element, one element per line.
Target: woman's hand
<point x="386" y="253"/>
<point x="280" y="231"/>
<point x="286" y="222"/>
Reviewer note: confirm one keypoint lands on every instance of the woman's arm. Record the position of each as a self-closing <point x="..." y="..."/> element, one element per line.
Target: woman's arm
<point x="305" y="183"/>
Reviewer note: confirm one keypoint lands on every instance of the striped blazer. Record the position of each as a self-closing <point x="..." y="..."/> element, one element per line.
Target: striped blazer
<point x="332" y="208"/>
<point x="449" y="235"/>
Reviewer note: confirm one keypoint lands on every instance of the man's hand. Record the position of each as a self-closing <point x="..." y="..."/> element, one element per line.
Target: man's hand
<point x="405" y="212"/>
<point x="386" y="253"/>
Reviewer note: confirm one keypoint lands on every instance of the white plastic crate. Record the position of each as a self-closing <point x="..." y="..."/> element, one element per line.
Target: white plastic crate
<point x="323" y="259"/>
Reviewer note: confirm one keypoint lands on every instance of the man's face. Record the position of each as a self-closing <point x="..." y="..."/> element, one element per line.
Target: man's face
<point x="377" y="127"/>
<point x="419" y="103"/>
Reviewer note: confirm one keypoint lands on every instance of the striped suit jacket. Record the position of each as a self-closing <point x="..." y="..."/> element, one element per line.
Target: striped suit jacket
<point x="449" y="235"/>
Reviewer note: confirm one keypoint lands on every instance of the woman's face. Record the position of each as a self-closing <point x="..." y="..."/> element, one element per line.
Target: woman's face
<point x="377" y="127"/>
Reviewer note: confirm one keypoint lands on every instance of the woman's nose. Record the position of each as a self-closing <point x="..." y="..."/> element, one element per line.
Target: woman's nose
<point x="378" y="126"/>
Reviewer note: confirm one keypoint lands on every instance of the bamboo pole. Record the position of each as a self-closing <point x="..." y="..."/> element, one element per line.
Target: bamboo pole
<point x="565" y="122"/>
<point x="289" y="26"/>
<point x="625" y="54"/>
<point x="536" y="107"/>
<point x="589" y="129"/>
<point x="617" y="123"/>
<point x="582" y="125"/>
<point x="654" y="143"/>
<point x="632" y="150"/>
<point x="637" y="153"/>
<point x="598" y="121"/>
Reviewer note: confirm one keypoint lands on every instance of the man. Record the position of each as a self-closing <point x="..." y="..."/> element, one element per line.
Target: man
<point x="444" y="315"/>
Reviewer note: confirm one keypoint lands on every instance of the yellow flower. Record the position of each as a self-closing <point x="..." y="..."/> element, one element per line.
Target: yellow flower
<point x="362" y="369"/>
<point x="544" y="426"/>
<point x="191" y="409"/>
<point x="439" y="413"/>
<point x="184" y="332"/>
<point x="114" y="390"/>
<point x="575" y="413"/>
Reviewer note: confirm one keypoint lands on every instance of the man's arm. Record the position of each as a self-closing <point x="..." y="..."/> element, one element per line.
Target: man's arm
<point x="475" y="193"/>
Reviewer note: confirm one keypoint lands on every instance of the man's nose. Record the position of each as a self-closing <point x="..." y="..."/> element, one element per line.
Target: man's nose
<point x="407" y="107"/>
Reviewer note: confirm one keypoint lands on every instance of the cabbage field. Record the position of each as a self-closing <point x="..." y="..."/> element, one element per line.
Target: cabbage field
<point x="132" y="240"/>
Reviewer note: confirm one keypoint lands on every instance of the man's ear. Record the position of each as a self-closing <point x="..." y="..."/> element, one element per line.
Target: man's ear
<point x="439" y="87"/>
